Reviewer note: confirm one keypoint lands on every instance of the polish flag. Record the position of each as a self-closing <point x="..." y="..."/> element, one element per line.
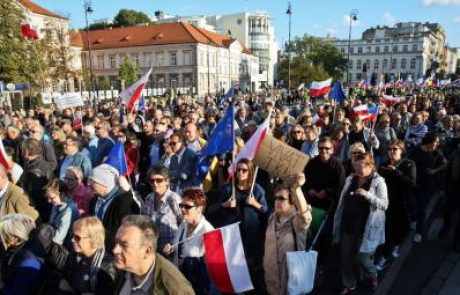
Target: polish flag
<point x="320" y="88"/>
<point x="361" y="111"/>
<point x="4" y="157"/>
<point x="132" y="94"/>
<point x="252" y="145"/>
<point x="389" y="100"/>
<point x="226" y="261"/>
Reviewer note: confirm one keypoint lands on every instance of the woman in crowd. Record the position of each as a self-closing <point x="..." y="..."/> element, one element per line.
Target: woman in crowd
<point x="385" y="134"/>
<point x="76" y="190"/>
<point x="287" y="231"/>
<point x="355" y="150"/>
<point x="296" y="137"/>
<point x="58" y="137"/>
<point x="63" y="212"/>
<point x="399" y="174"/>
<point x="249" y="208"/>
<point x="340" y="143"/>
<point x="90" y="269"/>
<point x="162" y="205"/>
<point x="189" y="255"/>
<point x="129" y="140"/>
<point x="22" y="263"/>
<point x="359" y="222"/>
<point x="415" y="131"/>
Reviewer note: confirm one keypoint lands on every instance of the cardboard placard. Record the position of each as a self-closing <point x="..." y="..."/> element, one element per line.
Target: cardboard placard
<point x="69" y="100"/>
<point x="279" y="159"/>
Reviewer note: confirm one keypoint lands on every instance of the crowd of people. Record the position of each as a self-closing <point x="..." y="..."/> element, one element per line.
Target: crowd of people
<point x="70" y="223"/>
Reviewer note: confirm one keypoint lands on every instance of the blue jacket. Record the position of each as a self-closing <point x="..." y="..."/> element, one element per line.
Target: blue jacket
<point x="104" y="146"/>
<point x="79" y="160"/>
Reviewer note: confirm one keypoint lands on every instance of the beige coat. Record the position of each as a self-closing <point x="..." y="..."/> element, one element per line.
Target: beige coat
<point x="279" y="239"/>
<point x="15" y="200"/>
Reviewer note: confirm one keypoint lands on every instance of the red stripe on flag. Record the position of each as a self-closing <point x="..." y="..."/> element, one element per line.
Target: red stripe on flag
<point x="216" y="261"/>
<point x="136" y="95"/>
<point x="3" y="157"/>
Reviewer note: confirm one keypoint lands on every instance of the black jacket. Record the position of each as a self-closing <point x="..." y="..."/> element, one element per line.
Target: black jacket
<point x="122" y="205"/>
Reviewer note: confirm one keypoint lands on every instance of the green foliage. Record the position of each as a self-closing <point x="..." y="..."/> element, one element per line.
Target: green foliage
<point x="128" y="71"/>
<point x="315" y="59"/>
<point x="105" y="83"/>
<point x="100" y="25"/>
<point x="130" y="17"/>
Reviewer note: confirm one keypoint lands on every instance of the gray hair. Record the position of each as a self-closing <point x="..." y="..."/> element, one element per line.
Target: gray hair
<point x="146" y="225"/>
<point x="16" y="225"/>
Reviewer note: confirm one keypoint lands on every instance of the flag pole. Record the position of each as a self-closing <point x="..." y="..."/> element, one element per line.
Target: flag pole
<point x="199" y="235"/>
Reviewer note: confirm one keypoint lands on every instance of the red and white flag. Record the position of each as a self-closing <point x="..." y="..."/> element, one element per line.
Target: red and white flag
<point x="361" y="111"/>
<point x="29" y="32"/>
<point x="132" y="94"/>
<point x="252" y="145"/>
<point x="226" y="261"/>
<point x="320" y="88"/>
<point x="4" y="157"/>
<point x="390" y="100"/>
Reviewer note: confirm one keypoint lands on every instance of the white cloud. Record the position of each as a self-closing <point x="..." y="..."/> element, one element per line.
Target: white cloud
<point x="354" y="23"/>
<point x="388" y="18"/>
<point x="440" y="2"/>
<point x="457" y="20"/>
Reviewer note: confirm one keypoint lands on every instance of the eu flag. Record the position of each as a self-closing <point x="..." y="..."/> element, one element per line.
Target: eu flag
<point x="141" y="106"/>
<point x="117" y="159"/>
<point x="337" y="92"/>
<point x="220" y="142"/>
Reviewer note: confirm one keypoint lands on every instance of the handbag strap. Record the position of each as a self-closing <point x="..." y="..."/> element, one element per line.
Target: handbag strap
<point x="294" y="234"/>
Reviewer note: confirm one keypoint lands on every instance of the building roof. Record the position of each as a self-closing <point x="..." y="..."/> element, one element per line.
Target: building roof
<point x="157" y="34"/>
<point x="35" y="8"/>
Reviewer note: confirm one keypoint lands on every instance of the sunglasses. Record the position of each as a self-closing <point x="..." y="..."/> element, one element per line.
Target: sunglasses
<point x="356" y="153"/>
<point x="173" y="143"/>
<point x="242" y="170"/>
<point x="156" y="180"/>
<point x="77" y="238"/>
<point x="186" y="206"/>
<point x="393" y="149"/>
<point x="280" y="198"/>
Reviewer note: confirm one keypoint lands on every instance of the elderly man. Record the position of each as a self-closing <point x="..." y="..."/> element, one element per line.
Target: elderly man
<point x="74" y="158"/>
<point x="193" y="139"/>
<point x="13" y="198"/>
<point x="112" y="203"/>
<point x="143" y="271"/>
<point x="104" y="144"/>
<point x="360" y="133"/>
<point x="91" y="141"/>
<point x="37" y="132"/>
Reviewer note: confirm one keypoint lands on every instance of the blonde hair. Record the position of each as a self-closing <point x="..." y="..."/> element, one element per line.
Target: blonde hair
<point x="96" y="231"/>
<point x="357" y="146"/>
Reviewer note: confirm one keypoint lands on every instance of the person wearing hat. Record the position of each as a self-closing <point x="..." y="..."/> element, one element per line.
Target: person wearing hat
<point x="111" y="203"/>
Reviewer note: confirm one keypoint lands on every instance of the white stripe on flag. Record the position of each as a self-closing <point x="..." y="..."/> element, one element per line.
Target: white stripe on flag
<point x="236" y="261"/>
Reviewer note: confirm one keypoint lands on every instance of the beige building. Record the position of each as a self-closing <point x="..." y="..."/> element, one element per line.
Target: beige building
<point x="184" y="57"/>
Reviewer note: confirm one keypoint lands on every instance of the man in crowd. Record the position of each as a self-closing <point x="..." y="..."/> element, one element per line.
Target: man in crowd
<point x="74" y="158"/>
<point x="105" y="143"/>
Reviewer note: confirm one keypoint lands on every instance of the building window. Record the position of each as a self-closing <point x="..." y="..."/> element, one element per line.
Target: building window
<point x="342" y="50"/>
<point x="414" y="47"/>
<point x="100" y="62"/>
<point x="360" y="50"/>
<point x="350" y="64"/>
<point x="385" y="49"/>
<point x="412" y="63"/>
<point x="147" y="61"/>
<point x="385" y="63"/>
<point x="113" y="62"/>
<point x="187" y="58"/>
<point x="403" y="63"/>
<point x="395" y="48"/>
<point x="135" y="59"/>
<point x="173" y="58"/>
<point x="377" y="49"/>
<point x="160" y="59"/>
<point x="359" y="76"/>
<point x="359" y="64"/>
<point x="405" y="48"/>
<point x="393" y="63"/>
<point x="369" y="49"/>
<point x="367" y="65"/>
<point x="376" y="64"/>
<point x="352" y="49"/>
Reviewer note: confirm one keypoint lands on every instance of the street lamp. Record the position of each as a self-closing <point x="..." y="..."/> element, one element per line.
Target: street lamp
<point x="89" y="10"/>
<point x="289" y="12"/>
<point x="353" y="17"/>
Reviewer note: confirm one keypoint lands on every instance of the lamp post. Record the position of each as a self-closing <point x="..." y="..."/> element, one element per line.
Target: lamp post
<point x="89" y="10"/>
<point x="353" y="17"/>
<point x="289" y="12"/>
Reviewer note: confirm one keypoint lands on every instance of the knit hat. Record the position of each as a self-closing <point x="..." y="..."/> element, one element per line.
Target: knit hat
<point x="105" y="175"/>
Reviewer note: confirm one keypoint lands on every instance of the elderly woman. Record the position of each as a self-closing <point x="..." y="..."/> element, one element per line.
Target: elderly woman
<point x="162" y="205"/>
<point x="287" y="231"/>
<point x="385" y="134"/>
<point x="22" y="264"/>
<point x="90" y="269"/>
<point x="296" y="137"/>
<point x="359" y="222"/>
<point x="189" y="255"/>
<point x="354" y="150"/>
<point x="77" y="190"/>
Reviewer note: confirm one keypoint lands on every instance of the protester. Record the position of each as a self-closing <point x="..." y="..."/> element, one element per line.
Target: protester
<point x="74" y="158"/>
<point x="76" y="190"/>
<point x="182" y="165"/>
<point x="141" y="268"/>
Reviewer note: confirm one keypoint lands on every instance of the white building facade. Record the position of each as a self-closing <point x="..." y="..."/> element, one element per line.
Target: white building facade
<point x="408" y="51"/>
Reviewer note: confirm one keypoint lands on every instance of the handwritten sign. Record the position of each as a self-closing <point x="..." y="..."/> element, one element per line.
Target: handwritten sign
<point x="279" y="159"/>
<point x="69" y="100"/>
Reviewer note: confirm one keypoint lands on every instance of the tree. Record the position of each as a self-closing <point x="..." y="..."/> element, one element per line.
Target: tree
<point x="100" y="25"/>
<point x="128" y="71"/>
<point x="302" y="71"/>
<point x="130" y="17"/>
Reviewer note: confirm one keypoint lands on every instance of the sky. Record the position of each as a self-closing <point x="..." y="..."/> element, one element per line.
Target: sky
<point x="317" y="18"/>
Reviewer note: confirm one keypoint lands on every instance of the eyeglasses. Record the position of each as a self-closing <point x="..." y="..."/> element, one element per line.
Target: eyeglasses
<point x="346" y="123"/>
<point x="157" y="131"/>
<point x="242" y="170"/>
<point x="393" y="149"/>
<point x="280" y="198"/>
<point x="186" y="206"/>
<point x="69" y="178"/>
<point x="325" y="148"/>
<point x="173" y="143"/>
<point x="356" y="153"/>
<point x="78" y="238"/>
<point x="296" y="132"/>
<point x="99" y="128"/>
<point x="156" y="180"/>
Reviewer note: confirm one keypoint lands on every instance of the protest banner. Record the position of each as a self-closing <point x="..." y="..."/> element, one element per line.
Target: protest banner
<point x="279" y="159"/>
<point x="69" y="100"/>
